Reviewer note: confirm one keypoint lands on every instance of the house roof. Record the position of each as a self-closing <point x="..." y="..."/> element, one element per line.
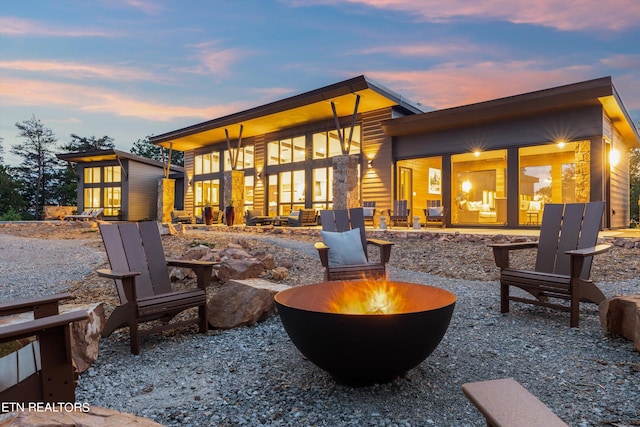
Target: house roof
<point x="592" y="92"/>
<point x="111" y="154"/>
<point x="304" y="108"/>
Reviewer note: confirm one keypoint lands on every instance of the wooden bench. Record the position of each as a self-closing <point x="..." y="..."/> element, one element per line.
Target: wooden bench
<point x="505" y="403"/>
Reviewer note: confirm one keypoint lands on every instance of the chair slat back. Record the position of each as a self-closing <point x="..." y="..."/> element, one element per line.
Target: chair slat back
<point x="328" y="220"/>
<point x="369" y="204"/>
<point x="155" y="257"/>
<point x="341" y="220"/>
<point x="433" y="203"/>
<point x="564" y="228"/>
<point x="400" y="208"/>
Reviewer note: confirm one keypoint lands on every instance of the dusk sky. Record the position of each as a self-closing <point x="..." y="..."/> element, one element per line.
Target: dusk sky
<point x="133" y="68"/>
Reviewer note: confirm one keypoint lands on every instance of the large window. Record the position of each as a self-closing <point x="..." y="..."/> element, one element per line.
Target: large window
<point x="286" y="192"/>
<point x="245" y="158"/>
<point x="207" y="163"/>
<point x="92" y="175"/>
<point x="552" y="173"/>
<point x="289" y="150"/>
<point x="327" y="144"/>
<point x="206" y="193"/>
<point x="322" y="188"/>
<point x="112" y="174"/>
<point x="478" y="183"/>
<point x="112" y="201"/>
<point x="248" y="192"/>
<point x="91" y="198"/>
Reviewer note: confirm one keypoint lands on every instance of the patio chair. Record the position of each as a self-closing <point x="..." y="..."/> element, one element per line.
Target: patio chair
<point x="567" y="243"/>
<point x="302" y="218"/>
<point x="254" y="217"/>
<point x="42" y="370"/>
<point x="369" y="209"/>
<point x="139" y="269"/>
<point x="434" y="213"/>
<point x="400" y="213"/>
<point x="343" y="251"/>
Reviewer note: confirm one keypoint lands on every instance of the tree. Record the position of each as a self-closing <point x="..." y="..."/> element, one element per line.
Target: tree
<point x="38" y="167"/>
<point x="11" y="203"/>
<point x="144" y="148"/>
<point x="80" y="144"/>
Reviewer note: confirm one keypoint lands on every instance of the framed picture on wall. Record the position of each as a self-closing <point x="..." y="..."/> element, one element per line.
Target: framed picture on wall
<point x="435" y="181"/>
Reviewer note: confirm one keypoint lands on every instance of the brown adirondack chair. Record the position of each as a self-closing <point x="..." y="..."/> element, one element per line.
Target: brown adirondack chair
<point x="567" y="243"/>
<point x="342" y="221"/>
<point x="139" y="269"/>
<point x="42" y="370"/>
<point x="369" y="211"/>
<point x="434" y="213"/>
<point x="400" y="213"/>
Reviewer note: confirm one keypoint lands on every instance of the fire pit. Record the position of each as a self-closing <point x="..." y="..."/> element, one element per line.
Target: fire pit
<point x="365" y="332"/>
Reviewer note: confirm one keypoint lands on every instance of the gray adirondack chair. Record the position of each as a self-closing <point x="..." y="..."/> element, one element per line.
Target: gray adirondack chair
<point x="567" y="244"/>
<point x="140" y="271"/>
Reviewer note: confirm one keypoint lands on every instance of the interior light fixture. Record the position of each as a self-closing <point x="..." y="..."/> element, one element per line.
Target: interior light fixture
<point x="466" y="186"/>
<point x="476" y="153"/>
<point x="561" y="144"/>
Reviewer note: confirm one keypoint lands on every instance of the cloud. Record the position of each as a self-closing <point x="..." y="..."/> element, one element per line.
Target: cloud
<point x="568" y="15"/>
<point x="10" y="26"/>
<point x="453" y="84"/>
<point x="75" y="70"/>
<point x="78" y="98"/>
<point x="212" y="60"/>
<point x="421" y="50"/>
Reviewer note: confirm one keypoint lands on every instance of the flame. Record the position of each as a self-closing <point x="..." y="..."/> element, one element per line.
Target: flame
<point x="368" y="297"/>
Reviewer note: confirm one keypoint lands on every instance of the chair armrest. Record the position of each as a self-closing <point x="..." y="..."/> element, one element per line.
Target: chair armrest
<point x="110" y="274"/>
<point x="128" y="279"/>
<point x="34" y="304"/>
<point x="385" y="248"/>
<point x="323" y="252"/>
<point x="594" y="250"/>
<point x="501" y="251"/>
<point x="37" y="326"/>
<point x="203" y="269"/>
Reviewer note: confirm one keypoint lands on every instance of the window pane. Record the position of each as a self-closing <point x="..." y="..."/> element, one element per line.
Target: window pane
<point x="248" y="192"/>
<point x="299" y="149"/>
<point x="320" y="145"/>
<point x="91" y="175"/>
<point x="272" y="153"/>
<point x="248" y="160"/>
<point x="298" y="187"/>
<point x="334" y="144"/>
<point x="355" y="139"/>
<point x="215" y="162"/>
<point x="286" y="151"/>
<point x="91" y="198"/>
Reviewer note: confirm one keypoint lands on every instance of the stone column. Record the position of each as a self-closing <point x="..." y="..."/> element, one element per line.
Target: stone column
<point x="346" y="185"/>
<point x="583" y="171"/>
<point x="166" y="198"/>
<point x="234" y="190"/>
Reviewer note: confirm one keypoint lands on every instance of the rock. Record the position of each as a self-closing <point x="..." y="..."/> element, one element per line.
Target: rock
<point x="94" y="417"/>
<point x="240" y="269"/>
<point x="234" y="252"/>
<point x="197" y="252"/>
<point x="85" y="334"/>
<point x="620" y="315"/>
<point x="242" y="303"/>
<point x="267" y="259"/>
<point x="279" y="273"/>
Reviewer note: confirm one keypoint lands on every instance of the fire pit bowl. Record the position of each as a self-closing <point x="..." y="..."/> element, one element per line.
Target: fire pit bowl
<point x="365" y="332"/>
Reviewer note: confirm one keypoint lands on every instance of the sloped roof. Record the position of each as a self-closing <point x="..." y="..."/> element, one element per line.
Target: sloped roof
<point x="304" y="108"/>
<point x="111" y="154"/>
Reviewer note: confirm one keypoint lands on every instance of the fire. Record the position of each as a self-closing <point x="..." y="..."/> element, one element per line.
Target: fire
<point x="368" y="297"/>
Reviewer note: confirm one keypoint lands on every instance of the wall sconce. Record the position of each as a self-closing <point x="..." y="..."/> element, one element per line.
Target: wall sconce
<point x="614" y="157"/>
<point x="190" y="182"/>
<point x="370" y="163"/>
<point x="261" y="175"/>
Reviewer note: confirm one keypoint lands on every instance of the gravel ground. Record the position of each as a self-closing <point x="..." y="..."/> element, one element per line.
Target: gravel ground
<point x="254" y="376"/>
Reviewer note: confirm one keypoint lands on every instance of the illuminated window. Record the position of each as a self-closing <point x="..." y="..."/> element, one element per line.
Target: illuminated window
<point x="91" y="197"/>
<point x="207" y="163"/>
<point x="322" y="188"/>
<point x="245" y="158"/>
<point x="327" y="144"/>
<point x="248" y="192"/>
<point x="206" y="193"/>
<point x="91" y="175"/>
<point x="112" y="201"/>
<point x="112" y="174"/>
<point x="291" y="191"/>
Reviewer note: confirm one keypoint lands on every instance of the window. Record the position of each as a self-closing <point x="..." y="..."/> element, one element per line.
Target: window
<point x="290" y="193"/>
<point x="248" y="192"/>
<point x="92" y="175"/>
<point x="245" y="158"/>
<point x="322" y="197"/>
<point x="478" y="181"/>
<point x="552" y="173"/>
<point x="327" y="144"/>
<point x="289" y="150"/>
<point x="206" y="193"/>
<point x="112" y="174"/>
<point x="112" y="203"/>
<point x="91" y="197"/>
<point x="207" y="163"/>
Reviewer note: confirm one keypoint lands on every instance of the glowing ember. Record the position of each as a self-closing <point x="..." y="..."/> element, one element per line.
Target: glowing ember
<point x="372" y="297"/>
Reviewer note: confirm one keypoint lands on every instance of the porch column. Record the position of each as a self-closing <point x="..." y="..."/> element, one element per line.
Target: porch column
<point x="346" y="188"/>
<point x="166" y="198"/>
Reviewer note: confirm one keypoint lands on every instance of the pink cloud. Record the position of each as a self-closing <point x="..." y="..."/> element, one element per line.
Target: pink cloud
<point x="10" y="26"/>
<point x="81" y="71"/>
<point x="78" y="98"/>
<point x="422" y="50"/>
<point x="568" y="15"/>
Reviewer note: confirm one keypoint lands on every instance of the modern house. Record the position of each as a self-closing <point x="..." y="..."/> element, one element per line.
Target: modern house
<point x="495" y="163"/>
<point x="123" y="184"/>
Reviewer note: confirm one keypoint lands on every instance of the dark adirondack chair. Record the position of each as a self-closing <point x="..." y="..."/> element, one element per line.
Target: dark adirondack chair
<point x="42" y="370"/>
<point x="139" y="269"/>
<point x="434" y="213"/>
<point x="400" y="213"/>
<point x="369" y="211"/>
<point x="567" y="243"/>
<point x="343" y="221"/>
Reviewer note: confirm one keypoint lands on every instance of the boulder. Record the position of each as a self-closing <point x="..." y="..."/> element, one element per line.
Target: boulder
<point x="93" y="416"/>
<point x="242" y="303"/>
<point x="620" y="315"/>
<point x="240" y="269"/>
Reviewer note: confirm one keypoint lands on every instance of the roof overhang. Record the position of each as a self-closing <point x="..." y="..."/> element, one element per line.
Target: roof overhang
<point x="297" y="110"/>
<point x="593" y="92"/>
<point x="110" y="155"/>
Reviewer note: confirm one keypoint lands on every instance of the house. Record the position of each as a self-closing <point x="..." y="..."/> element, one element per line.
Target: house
<point x="123" y="184"/>
<point x="491" y="164"/>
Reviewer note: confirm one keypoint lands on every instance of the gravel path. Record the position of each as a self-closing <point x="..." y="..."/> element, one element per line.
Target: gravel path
<point x="254" y="376"/>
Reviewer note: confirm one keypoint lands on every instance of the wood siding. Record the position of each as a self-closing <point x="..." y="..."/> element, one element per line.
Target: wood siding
<point x="377" y="182"/>
<point x="619" y="189"/>
<point x="142" y="195"/>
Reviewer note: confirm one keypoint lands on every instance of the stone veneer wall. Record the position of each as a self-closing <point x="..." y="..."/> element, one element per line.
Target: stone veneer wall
<point x="234" y="190"/>
<point x="346" y="185"/>
<point x="166" y="197"/>
<point x="583" y="171"/>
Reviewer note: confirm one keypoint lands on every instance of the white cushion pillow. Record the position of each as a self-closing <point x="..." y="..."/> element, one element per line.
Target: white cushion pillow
<point x="345" y="248"/>
<point x="367" y="211"/>
<point x="437" y="211"/>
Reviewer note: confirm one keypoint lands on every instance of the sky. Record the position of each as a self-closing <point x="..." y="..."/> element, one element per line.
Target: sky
<point x="129" y="69"/>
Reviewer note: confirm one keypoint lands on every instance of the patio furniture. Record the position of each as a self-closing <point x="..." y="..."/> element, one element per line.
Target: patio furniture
<point x="254" y="217"/>
<point x="369" y="209"/>
<point x="434" y="213"/>
<point x="400" y="213"/>
<point x="567" y="243"/>
<point x="506" y="403"/>
<point x="139" y="269"/>
<point x="343" y="251"/>
<point x="302" y="218"/>
<point x="42" y="370"/>
<point x="181" y="217"/>
<point x="89" y="214"/>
